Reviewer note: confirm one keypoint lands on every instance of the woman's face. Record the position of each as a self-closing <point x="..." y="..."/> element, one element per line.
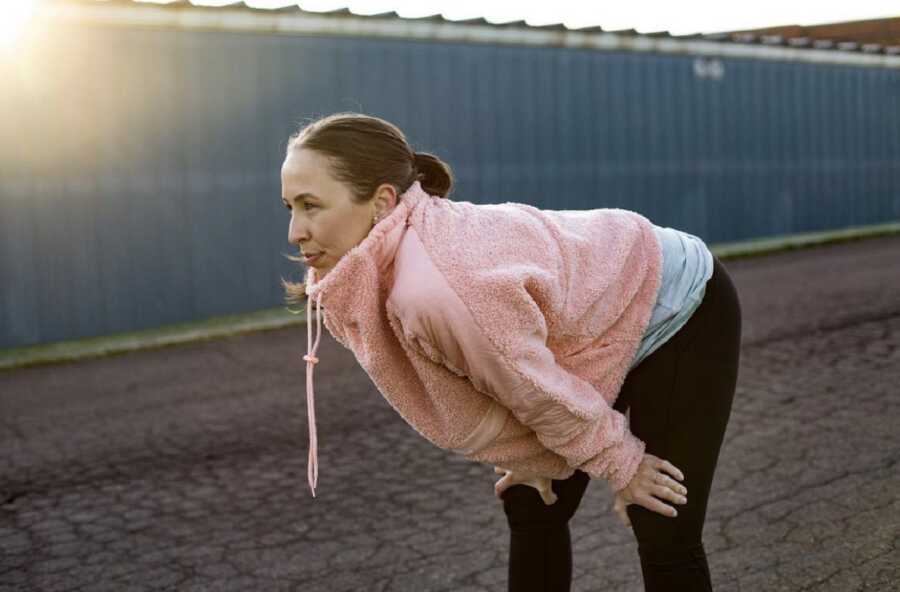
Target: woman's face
<point x="324" y="217"/>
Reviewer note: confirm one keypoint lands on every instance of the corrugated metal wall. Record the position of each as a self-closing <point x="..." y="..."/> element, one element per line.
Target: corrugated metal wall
<point x="139" y="169"/>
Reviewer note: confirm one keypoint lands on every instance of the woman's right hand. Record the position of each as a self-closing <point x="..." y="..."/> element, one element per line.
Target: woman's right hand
<point x="649" y="486"/>
<point x="542" y="484"/>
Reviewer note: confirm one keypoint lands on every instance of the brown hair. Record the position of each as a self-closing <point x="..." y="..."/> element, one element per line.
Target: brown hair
<point x="364" y="152"/>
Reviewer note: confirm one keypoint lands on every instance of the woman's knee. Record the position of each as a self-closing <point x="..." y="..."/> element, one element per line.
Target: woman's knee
<point x="655" y="531"/>
<point x="526" y="511"/>
<point x="671" y="554"/>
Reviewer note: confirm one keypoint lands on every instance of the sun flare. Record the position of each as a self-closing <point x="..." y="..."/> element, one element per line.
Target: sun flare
<point x="16" y="16"/>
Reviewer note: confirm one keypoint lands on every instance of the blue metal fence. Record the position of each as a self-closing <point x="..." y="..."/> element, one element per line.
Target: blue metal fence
<point x="139" y="176"/>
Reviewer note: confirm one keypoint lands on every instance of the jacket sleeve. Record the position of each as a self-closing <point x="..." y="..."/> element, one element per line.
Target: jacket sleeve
<point x="568" y="415"/>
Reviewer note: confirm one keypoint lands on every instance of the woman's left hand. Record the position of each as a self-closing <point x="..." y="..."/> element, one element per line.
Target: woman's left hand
<point x="649" y="487"/>
<point x="619" y="508"/>
<point x="510" y="478"/>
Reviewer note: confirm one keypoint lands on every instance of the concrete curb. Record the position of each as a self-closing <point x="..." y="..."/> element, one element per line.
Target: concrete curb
<point x="768" y="246"/>
<point x="277" y="318"/>
<point x="177" y="334"/>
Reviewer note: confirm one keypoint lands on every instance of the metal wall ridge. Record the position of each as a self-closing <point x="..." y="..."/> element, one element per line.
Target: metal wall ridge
<point x="240" y="20"/>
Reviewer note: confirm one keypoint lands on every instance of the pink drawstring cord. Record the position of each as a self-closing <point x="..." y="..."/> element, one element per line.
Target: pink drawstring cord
<point x="311" y="360"/>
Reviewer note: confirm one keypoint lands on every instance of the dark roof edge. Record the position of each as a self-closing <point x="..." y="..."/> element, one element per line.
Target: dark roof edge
<point x="764" y="39"/>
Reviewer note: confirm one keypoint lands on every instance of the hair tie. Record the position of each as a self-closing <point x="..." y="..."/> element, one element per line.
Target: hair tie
<point x="417" y="175"/>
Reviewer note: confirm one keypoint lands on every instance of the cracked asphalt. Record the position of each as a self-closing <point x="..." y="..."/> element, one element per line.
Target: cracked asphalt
<point x="184" y="468"/>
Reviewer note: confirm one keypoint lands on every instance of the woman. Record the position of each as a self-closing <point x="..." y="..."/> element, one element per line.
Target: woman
<point x="520" y="337"/>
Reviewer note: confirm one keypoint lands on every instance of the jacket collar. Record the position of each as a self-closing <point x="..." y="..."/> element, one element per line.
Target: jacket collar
<point x="352" y="293"/>
<point x="371" y="259"/>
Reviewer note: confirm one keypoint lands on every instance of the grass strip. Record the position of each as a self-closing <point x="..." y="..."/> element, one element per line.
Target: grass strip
<point x="276" y="318"/>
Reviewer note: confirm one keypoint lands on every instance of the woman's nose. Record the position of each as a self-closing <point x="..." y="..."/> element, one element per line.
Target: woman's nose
<point x="296" y="232"/>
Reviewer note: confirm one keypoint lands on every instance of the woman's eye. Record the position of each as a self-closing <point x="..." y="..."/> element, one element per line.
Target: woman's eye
<point x="288" y="206"/>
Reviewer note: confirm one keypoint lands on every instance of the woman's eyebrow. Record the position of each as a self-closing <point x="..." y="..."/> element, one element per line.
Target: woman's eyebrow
<point x="300" y="196"/>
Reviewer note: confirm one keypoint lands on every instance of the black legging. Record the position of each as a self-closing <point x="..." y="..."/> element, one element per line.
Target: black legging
<point x="680" y="399"/>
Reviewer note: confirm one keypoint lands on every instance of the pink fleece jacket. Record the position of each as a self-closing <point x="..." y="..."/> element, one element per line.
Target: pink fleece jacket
<point x="500" y="331"/>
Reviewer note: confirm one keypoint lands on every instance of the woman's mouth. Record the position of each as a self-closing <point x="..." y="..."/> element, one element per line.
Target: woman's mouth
<point x="311" y="258"/>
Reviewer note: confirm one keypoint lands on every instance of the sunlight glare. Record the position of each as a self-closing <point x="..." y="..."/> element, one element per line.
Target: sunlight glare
<point x="16" y="16"/>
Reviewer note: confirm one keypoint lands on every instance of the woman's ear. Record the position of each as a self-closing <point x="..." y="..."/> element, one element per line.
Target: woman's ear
<point x="385" y="199"/>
